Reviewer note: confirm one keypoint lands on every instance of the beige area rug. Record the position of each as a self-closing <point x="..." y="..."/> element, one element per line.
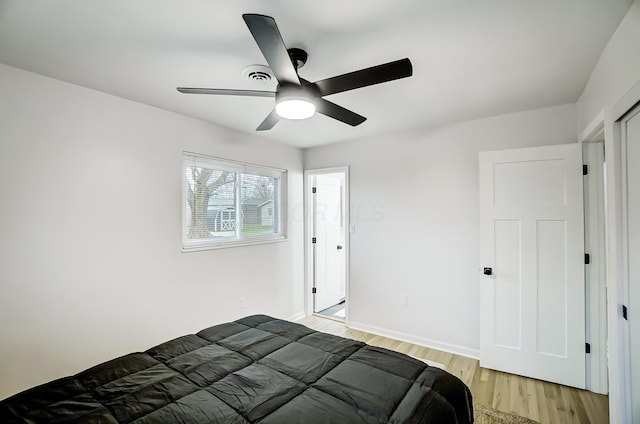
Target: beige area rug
<point x="486" y="415"/>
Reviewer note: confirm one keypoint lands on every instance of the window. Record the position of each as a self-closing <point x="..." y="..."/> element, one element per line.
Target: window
<point x="228" y="203"/>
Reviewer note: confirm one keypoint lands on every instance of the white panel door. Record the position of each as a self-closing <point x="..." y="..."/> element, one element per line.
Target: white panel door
<point x="631" y="144"/>
<point x="329" y="252"/>
<point x="532" y="238"/>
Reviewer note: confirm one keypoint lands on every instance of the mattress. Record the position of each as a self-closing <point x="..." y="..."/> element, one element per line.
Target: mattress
<point x="257" y="369"/>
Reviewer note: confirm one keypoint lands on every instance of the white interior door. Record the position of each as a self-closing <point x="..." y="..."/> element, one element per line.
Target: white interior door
<point x="329" y="279"/>
<point x="532" y="238"/>
<point x="631" y="146"/>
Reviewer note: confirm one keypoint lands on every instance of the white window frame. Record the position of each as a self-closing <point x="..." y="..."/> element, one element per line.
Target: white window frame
<point x="280" y="203"/>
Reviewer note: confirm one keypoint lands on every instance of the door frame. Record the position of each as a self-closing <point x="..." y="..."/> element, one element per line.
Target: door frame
<point x="627" y="106"/>
<point x="625" y="290"/>
<point x="309" y="262"/>
<point x="593" y="155"/>
<point x="618" y="349"/>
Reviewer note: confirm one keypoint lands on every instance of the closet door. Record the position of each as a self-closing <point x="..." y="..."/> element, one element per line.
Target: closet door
<point x="630" y="131"/>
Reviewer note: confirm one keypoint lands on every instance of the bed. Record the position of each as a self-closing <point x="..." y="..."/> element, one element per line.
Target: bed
<point x="257" y="369"/>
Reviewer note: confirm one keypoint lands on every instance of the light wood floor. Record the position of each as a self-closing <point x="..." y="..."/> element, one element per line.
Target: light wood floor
<point x="544" y="402"/>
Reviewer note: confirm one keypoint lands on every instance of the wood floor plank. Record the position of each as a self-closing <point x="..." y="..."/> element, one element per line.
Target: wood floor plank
<point x="578" y="406"/>
<point x="552" y="411"/>
<point x="543" y="409"/>
<point x="502" y="393"/>
<point x="518" y="399"/>
<point x="541" y="401"/>
<point x="532" y="401"/>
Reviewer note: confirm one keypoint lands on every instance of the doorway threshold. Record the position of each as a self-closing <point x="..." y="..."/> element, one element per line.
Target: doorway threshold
<point x="335" y="312"/>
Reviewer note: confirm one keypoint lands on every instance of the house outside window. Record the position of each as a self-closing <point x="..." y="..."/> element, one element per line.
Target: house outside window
<point x="228" y="203"/>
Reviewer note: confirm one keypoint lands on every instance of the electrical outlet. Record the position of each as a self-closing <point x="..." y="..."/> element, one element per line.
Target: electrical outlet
<point x="404" y="300"/>
<point x="242" y="302"/>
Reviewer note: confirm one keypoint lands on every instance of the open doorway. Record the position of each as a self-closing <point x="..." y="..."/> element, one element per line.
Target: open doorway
<point x="327" y="230"/>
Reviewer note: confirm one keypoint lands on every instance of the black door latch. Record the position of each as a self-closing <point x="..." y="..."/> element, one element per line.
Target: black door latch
<point x="487" y="271"/>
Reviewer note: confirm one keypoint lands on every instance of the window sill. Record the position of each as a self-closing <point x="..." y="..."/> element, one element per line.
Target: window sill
<point x="228" y="244"/>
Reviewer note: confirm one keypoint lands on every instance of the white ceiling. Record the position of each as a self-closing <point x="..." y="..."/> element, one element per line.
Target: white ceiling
<point x="471" y="58"/>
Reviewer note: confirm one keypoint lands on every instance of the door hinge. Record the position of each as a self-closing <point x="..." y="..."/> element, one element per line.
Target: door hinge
<point x="313" y="189"/>
<point x="585" y="169"/>
<point x="313" y="290"/>
<point x="587" y="348"/>
<point x="625" y="312"/>
<point x="313" y="240"/>
<point x="587" y="259"/>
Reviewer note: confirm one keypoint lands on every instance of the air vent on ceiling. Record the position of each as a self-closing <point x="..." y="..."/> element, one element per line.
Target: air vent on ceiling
<point x="258" y="74"/>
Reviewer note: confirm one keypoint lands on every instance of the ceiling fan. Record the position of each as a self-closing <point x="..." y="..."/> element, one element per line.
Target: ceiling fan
<point x="297" y="98"/>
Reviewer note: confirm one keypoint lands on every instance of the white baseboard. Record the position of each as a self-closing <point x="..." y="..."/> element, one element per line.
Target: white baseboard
<point x="420" y="341"/>
<point x="297" y="316"/>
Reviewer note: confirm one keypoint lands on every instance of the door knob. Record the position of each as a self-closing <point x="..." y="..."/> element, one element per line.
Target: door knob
<point x="339" y="247"/>
<point x="487" y="271"/>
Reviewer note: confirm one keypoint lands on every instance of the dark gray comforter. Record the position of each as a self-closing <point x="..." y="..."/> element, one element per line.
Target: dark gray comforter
<point x="258" y="370"/>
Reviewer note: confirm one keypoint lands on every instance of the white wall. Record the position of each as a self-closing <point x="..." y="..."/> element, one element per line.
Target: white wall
<point x="615" y="80"/>
<point x="414" y="200"/>
<point x="616" y="72"/>
<point x="90" y="231"/>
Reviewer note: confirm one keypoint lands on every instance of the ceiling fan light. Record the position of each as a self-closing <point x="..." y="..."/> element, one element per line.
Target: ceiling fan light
<point x="295" y="108"/>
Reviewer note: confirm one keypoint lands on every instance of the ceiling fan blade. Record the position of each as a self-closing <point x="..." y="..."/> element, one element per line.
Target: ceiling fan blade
<point x="272" y="119"/>
<point x="375" y="75"/>
<point x="335" y="111"/>
<point x="252" y="93"/>
<point x="267" y="36"/>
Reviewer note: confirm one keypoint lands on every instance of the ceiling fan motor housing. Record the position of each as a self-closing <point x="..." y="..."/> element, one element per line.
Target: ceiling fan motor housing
<point x="296" y="101"/>
<point x="305" y="91"/>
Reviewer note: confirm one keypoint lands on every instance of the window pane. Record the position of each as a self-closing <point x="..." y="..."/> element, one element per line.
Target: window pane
<point x="230" y="203"/>
<point x="258" y="205"/>
<point x="210" y="208"/>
